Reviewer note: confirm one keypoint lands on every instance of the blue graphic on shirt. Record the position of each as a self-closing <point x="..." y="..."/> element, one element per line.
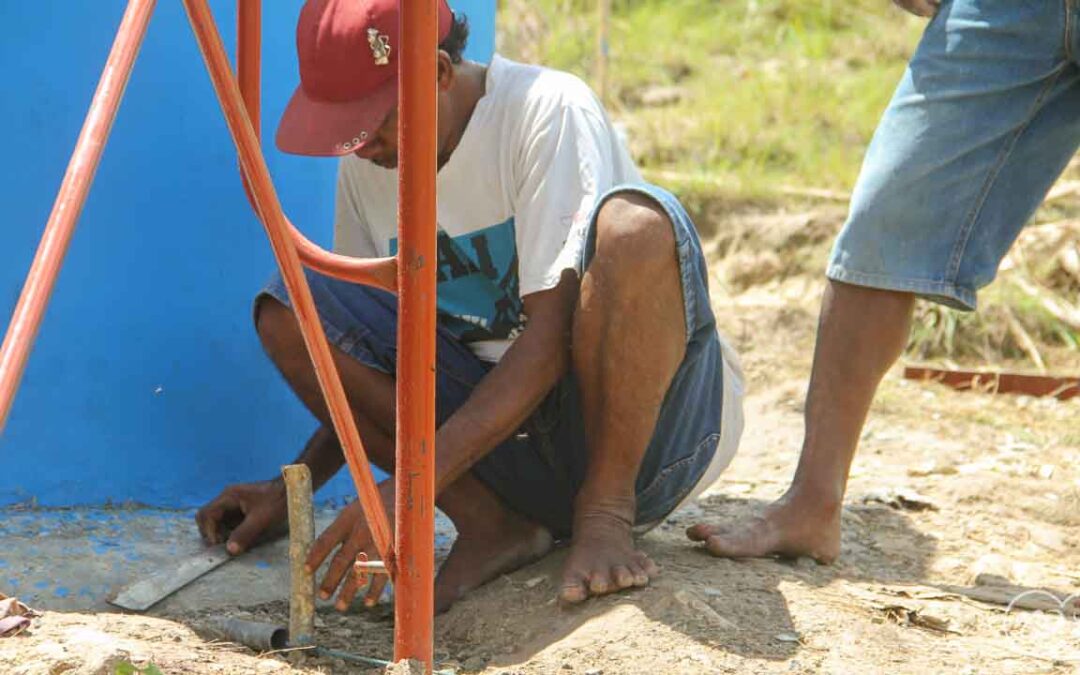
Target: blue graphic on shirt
<point x="478" y="295"/>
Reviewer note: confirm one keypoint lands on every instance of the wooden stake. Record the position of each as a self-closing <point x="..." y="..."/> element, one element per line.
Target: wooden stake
<point x="301" y="534"/>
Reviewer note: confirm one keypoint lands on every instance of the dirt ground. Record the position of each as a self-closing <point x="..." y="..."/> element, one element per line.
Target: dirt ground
<point x="951" y="496"/>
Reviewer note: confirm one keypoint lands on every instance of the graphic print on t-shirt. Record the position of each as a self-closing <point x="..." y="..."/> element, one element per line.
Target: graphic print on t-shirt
<point x="477" y="275"/>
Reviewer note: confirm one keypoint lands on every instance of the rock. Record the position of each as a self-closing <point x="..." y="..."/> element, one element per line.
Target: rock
<point x="594" y="671"/>
<point x="900" y="499"/>
<point x="410" y="667"/>
<point x="474" y="663"/>
<point x="992" y="569"/>
<point x="535" y="581"/>
<point x="103" y="662"/>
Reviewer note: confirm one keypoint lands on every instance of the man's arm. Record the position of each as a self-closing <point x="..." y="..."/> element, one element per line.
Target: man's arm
<point x="508" y="394"/>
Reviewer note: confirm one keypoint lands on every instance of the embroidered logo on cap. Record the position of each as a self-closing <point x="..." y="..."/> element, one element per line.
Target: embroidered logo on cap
<point x="380" y="46"/>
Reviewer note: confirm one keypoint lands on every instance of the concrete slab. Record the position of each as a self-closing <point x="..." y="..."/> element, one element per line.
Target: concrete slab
<point x="74" y="559"/>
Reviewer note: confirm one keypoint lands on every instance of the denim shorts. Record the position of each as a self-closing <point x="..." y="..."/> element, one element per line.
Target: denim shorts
<point x="985" y="118"/>
<point x="538" y="470"/>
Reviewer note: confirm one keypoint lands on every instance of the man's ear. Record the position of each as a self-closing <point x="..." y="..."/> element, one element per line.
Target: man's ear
<point x="445" y="71"/>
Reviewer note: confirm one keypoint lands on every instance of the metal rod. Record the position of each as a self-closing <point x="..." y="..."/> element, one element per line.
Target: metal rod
<point x="378" y="272"/>
<point x="248" y="70"/>
<point x="283" y="245"/>
<point x="30" y="308"/>
<point x="297" y="479"/>
<point x="415" y="474"/>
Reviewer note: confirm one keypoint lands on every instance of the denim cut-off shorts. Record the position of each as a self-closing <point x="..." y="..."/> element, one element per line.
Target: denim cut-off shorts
<point x="985" y="118"/>
<point x="538" y="470"/>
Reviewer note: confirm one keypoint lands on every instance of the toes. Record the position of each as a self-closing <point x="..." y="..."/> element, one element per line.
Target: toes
<point x="650" y="568"/>
<point x="622" y="575"/>
<point x="573" y="589"/>
<point x="640" y="577"/>
<point x="600" y="583"/>
<point x="753" y="544"/>
<point x="700" y="532"/>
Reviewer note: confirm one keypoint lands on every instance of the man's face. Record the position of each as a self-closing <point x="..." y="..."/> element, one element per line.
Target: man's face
<point x="382" y="150"/>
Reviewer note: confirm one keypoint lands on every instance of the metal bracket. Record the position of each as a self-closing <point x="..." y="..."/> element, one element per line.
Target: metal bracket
<point x="364" y="568"/>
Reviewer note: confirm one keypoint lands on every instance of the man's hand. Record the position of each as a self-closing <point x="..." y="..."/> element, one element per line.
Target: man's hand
<point x="925" y="8"/>
<point x="350" y="535"/>
<point x="248" y="510"/>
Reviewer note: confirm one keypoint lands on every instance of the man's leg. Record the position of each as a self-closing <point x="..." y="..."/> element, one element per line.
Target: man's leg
<point x="492" y="539"/>
<point x="629" y="337"/>
<point x="861" y="333"/>
<point x="937" y="204"/>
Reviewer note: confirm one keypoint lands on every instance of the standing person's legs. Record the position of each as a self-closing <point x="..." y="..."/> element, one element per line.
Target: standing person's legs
<point x="985" y="118"/>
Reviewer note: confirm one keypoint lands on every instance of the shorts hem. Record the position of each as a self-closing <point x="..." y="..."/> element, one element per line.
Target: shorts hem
<point x="334" y="335"/>
<point x="941" y="292"/>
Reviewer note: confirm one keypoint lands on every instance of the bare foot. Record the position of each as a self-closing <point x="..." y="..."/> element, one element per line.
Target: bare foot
<point x="603" y="559"/>
<point x="482" y="553"/>
<point x="789" y="527"/>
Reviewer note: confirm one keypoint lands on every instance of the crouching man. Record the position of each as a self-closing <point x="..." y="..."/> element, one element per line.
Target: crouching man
<point x="582" y="390"/>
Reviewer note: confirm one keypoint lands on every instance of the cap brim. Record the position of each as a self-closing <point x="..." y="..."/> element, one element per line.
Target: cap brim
<point x="331" y="129"/>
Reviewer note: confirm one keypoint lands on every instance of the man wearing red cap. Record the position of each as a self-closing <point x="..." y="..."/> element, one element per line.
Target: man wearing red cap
<point x="583" y="392"/>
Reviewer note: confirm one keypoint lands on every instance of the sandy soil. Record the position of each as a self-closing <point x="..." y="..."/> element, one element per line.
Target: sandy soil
<point x="992" y="496"/>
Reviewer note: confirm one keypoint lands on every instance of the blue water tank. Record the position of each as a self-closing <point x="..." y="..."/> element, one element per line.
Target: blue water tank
<point x="147" y="381"/>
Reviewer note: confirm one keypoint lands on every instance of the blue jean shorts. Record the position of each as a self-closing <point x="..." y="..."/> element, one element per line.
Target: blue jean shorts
<point x="983" y="121"/>
<point x="538" y="470"/>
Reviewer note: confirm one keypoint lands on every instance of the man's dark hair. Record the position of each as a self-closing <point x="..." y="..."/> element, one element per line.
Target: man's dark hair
<point x="454" y="44"/>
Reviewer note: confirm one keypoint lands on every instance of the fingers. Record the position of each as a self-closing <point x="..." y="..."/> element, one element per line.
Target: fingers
<point x="247" y="532"/>
<point x="324" y="544"/>
<point x="339" y="567"/>
<point x="349" y="588"/>
<point x="207" y="520"/>
<point x="375" y="589"/>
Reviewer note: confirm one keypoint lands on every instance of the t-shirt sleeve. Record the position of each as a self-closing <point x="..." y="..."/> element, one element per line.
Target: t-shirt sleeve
<point x="565" y="166"/>
<point x="352" y="235"/>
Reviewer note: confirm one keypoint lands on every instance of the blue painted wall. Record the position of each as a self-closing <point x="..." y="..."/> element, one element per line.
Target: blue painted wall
<point x="147" y="382"/>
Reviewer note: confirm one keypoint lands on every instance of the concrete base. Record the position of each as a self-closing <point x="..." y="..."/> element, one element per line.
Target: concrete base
<point x="75" y="559"/>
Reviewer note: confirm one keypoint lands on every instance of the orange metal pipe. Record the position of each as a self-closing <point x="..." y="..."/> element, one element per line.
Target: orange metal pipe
<point x="278" y="230"/>
<point x="30" y="308"/>
<point x="380" y="272"/>
<point x="248" y="56"/>
<point x="415" y="504"/>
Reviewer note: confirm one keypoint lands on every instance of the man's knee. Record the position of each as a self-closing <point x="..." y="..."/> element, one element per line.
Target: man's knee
<point x="634" y="234"/>
<point x="277" y="329"/>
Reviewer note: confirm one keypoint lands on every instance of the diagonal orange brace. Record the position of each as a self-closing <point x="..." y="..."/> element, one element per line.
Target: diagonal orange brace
<point x="30" y="308"/>
<point x="281" y="232"/>
<point x="379" y="272"/>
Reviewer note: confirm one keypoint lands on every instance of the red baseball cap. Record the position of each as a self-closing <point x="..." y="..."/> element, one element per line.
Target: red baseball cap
<point x="348" y="52"/>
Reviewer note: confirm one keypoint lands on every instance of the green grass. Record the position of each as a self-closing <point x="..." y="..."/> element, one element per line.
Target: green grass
<point x="774" y="92"/>
<point x="778" y="94"/>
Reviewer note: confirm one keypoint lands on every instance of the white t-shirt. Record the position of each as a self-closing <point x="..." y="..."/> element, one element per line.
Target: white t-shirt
<point x="514" y="202"/>
<point x="514" y="199"/>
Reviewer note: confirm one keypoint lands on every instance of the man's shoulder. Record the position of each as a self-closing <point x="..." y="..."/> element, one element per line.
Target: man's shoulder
<point x="541" y="89"/>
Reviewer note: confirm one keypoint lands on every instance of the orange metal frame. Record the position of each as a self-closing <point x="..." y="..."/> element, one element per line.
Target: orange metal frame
<point x="409" y="556"/>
